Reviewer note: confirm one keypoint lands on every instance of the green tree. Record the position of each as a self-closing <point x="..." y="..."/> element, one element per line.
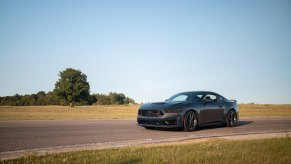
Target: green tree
<point x="117" y="98"/>
<point x="40" y="98"/>
<point x="32" y="99"/>
<point x="17" y="100"/>
<point x="129" y="101"/>
<point x="72" y="87"/>
<point x="51" y="99"/>
<point x="102" y="99"/>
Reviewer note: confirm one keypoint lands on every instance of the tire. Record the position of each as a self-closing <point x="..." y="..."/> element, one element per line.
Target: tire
<point x="231" y="119"/>
<point x="190" y="121"/>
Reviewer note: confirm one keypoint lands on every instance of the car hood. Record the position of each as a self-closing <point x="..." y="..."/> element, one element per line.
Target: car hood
<point x="164" y="105"/>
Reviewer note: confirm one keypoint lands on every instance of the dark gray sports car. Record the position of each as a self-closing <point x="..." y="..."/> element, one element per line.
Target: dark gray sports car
<point x="188" y="110"/>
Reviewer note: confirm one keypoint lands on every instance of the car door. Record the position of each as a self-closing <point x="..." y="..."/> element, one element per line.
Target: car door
<point x="220" y="107"/>
<point x="212" y="110"/>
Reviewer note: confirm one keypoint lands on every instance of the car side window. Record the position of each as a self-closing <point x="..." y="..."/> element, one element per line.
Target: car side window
<point x="220" y="99"/>
<point x="211" y="97"/>
<point x="195" y="98"/>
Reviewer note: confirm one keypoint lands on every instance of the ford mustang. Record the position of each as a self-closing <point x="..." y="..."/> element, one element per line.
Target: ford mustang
<point x="187" y="110"/>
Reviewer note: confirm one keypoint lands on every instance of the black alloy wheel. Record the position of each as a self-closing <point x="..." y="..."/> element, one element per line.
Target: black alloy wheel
<point x="231" y="119"/>
<point x="190" y="121"/>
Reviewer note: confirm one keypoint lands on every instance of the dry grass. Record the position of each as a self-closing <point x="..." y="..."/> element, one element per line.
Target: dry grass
<point x="115" y="112"/>
<point x="264" y="110"/>
<point x="64" y="112"/>
<point x="216" y="151"/>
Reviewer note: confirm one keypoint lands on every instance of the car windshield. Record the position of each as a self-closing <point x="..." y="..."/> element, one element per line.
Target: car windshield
<point x="189" y="97"/>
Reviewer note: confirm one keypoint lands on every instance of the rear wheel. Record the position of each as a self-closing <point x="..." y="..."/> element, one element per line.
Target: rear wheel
<point x="190" y="121"/>
<point x="231" y="119"/>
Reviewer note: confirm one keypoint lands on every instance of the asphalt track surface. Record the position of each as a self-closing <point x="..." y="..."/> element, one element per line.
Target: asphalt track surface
<point x="32" y="135"/>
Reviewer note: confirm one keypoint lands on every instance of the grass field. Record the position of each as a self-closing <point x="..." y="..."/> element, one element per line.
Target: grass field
<point x="64" y="112"/>
<point x="250" y="110"/>
<point x="114" y="112"/>
<point x="215" y="151"/>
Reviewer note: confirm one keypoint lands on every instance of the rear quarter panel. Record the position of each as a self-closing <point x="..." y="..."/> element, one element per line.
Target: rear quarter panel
<point x="231" y="104"/>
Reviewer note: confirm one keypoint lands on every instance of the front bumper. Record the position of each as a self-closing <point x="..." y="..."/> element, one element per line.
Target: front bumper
<point x="162" y="122"/>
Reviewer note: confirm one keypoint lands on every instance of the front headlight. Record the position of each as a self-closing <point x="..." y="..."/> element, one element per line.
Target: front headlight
<point x="172" y="110"/>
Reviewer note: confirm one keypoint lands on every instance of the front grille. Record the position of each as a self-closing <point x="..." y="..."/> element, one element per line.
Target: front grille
<point x="150" y="113"/>
<point x="157" y="122"/>
<point x="150" y="122"/>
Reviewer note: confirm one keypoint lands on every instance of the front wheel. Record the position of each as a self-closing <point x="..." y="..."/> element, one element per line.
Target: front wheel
<point x="231" y="119"/>
<point x="190" y="121"/>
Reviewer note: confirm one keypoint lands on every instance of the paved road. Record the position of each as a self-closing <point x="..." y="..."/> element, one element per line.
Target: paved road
<point x="24" y="135"/>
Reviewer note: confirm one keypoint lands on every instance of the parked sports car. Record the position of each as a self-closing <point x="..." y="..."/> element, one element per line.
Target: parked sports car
<point x="187" y="110"/>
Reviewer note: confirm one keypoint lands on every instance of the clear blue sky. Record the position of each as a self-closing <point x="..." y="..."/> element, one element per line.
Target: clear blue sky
<point x="149" y="50"/>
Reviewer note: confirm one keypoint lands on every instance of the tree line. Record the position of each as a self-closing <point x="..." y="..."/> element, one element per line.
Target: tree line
<point x="71" y="89"/>
<point x="50" y="98"/>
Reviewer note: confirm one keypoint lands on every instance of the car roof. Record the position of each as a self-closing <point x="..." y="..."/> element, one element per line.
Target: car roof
<point x="203" y="92"/>
<point x="199" y="92"/>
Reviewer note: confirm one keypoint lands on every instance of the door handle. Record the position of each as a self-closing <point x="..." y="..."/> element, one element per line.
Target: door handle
<point x="219" y="106"/>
